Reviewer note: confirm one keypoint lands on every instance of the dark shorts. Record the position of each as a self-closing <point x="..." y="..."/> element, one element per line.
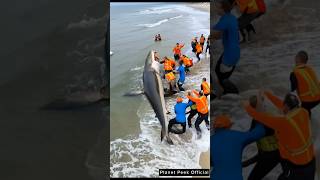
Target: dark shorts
<point x="294" y="172"/>
<point x="176" y="56"/>
<point x="245" y="19"/>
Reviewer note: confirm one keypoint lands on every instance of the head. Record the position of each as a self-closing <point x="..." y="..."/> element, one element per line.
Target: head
<point x="202" y="35"/>
<point x="204" y="79"/>
<point x="177" y="44"/>
<point x="180" y="63"/>
<point x="290" y="101"/>
<point x="179" y="100"/>
<point x="222" y="122"/>
<point x="159" y="35"/>
<point x="223" y="6"/>
<point x="301" y="58"/>
<point x="201" y="93"/>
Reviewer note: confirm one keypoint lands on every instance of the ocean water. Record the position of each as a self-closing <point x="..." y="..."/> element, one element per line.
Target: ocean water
<point x="267" y="61"/>
<point x="136" y="150"/>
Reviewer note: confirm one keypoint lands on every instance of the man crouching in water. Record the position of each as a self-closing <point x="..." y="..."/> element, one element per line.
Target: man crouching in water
<point x="180" y="110"/>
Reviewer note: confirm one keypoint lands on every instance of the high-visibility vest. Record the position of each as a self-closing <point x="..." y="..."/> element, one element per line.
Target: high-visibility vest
<point x="177" y="49"/>
<point x="205" y="87"/>
<point x="202" y="39"/>
<point x="198" y="48"/>
<point x="186" y="61"/>
<point x="248" y="6"/>
<point x="202" y="105"/>
<point x="267" y="144"/>
<point x="308" y="84"/>
<point x="261" y="6"/>
<point x="170" y="76"/>
<point x="168" y="65"/>
<point x="298" y="147"/>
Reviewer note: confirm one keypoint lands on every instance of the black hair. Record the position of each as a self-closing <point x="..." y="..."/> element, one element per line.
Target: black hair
<point x="226" y="5"/>
<point x="303" y="55"/>
<point x="291" y="101"/>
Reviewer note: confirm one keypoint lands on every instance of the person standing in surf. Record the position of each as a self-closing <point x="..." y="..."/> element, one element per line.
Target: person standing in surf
<point x="227" y="29"/>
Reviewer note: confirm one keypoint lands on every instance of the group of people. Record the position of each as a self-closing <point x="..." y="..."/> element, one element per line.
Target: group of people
<point x="157" y="37"/>
<point x="285" y="138"/>
<point x="228" y="29"/>
<point x="197" y="102"/>
<point x="197" y="47"/>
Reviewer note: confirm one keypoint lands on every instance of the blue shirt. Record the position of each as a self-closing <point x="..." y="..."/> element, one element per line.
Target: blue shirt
<point x="182" y="74"/>
<point x="226" y="151"/>
<point x="180" y="110"/>
<point x="228" y="24"/>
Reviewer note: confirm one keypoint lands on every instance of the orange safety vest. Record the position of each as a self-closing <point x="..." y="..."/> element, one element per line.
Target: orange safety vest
<point x="198" y="48"/>
<point x="202" y="39"/>
<point x="297" y="145"/>
<point x="205" y="87"/>
<point x="248" y="6"/>
<point x="168" y="64"/>
<point x="170" y="76"/>
<point x="177" y="49"/>
<point x="186" y="61"/>
<point x="202" y="105"/>
<point x="261" y="6"/>
<point x="308" y="84"/>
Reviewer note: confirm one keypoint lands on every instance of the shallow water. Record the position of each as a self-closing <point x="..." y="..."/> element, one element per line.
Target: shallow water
<point x="136" y="150"/>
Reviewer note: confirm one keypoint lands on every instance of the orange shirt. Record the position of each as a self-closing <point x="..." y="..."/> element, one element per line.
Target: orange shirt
<point x="292" y="131"/>
<point x="177" y="49"/>
<point x="248" y="6"/>
<point x="205" y="87"/>
<point x="198" y="48"/>
<point x="202" y="38"/>
<point x="201" y="102"/>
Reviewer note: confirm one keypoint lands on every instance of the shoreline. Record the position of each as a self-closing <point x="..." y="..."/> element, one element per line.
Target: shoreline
<point x="202" y="6"/>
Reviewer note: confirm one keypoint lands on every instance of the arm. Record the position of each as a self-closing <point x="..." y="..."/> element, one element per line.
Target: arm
<point x="293" y="82"/>
<point x="273" y="122"/>
<point x="255" y="134"/>
<point x="275" y="100"/>
<point x="195" y="92"/>
<point x="189" y="103"/>
<point x="192" y="99"/>
<point x="250" y="161"/>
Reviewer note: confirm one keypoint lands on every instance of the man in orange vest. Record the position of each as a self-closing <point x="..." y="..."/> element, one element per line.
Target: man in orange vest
<point x="202" y="108"/>
<point x="187" y="62"/>
<point x="304" y="80"/>
<point x="251" y="10"/>
<point x="198" y="50"/>
<point x="202" y="40"/>
<point x="205" y="87"/>
<point x="293" y="132"/>
<point x="177" y="51"/>
<point x="168" y="64"/>
<point x="171" y="79"/>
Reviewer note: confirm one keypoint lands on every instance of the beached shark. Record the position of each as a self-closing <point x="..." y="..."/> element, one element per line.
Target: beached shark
<point x="153" y="89"/>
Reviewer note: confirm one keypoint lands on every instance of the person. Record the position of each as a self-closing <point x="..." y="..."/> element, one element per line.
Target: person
<point x="177" y="51"/>
<point x="187" y="62"/>
<point x="205" y="87"/>
<point x="208" y="45"/>
<point x="250" y="10"/>
<point x="156" y="38"/>
<point x="159" y="37"/>
<point x="169" y="64"/>
<point x="305" y="81"/>
<point x="171" y="79"/>
<point x="268" y="156"/>
<point x="202" y="40"/>
<point x="182" y="76"/>
<point x="198" y="50"/>
<point x="293" y="132"/>
<point x="227" y="146"/>
<point x="193" y="44"/>
<point x="202" y="108"/>
<point x="180" y="111"/>
<point x="227" y="27"/>
<point x="193" y="111"/>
